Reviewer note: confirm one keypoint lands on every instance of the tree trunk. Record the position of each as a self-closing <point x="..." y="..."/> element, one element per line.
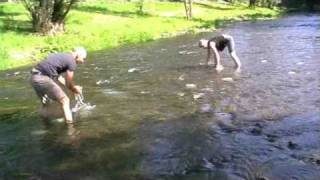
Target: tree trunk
<point x="188" y="8"/>
<point x="271" y="3"/>
<point x="48" y="27"/>
<point x="252" y="3"/>
<point x="140" y="4"/>
<point x="48" y="15"/>
<point x="44" y="25"/>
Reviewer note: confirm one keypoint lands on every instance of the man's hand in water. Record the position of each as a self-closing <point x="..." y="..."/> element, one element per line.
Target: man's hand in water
<point x="211" y="63"/>
<point x="78" y="89"/>
<point x="219" y="68"/>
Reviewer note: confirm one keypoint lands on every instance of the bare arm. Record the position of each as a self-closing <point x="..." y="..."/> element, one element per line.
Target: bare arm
<point x="61" y="80"/>
<point x="70" y="84"/>
<point x="219" y="67"/>
<point x="215" y="53"/>
<point x="208" y="54"/>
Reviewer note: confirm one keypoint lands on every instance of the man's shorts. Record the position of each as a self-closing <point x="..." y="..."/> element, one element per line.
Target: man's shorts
<point x="230" y="43"/>
<point x="45" y="88"/>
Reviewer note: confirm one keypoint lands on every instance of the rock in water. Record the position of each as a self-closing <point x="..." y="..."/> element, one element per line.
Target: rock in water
<point x="133" y="70"/>
<point x="191" y="86"/>
<point x="198" y="96"/>
<point x="227" y="79"/>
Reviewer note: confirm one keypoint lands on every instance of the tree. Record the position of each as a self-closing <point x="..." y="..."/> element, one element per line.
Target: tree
<point x="230" y="1"/>
<point x="48" y="16"/>
<point x="188" y="8"/>
<point x="140" y="4"/>
<point x="252" y="3"/>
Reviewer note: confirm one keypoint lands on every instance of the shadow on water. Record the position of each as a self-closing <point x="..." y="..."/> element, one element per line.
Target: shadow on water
<point x="160" y="115"/>
<point x="83" y="156"/>
<point x="32" y="149"/>
<point x="197" y="146"/>
<point x="228" y="148"/>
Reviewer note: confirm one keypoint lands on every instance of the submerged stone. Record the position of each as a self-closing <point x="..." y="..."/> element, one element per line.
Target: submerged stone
<point x="102" y="82"/>
<point x="133" y="70"/>
<point x="227" y="79"/>
<point x="205" y="108"/>
<point x="191" y="86"/>
<point x="198" y="96"/>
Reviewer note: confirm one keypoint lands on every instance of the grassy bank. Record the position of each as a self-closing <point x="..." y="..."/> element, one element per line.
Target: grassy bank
<point x="103" y="25"/>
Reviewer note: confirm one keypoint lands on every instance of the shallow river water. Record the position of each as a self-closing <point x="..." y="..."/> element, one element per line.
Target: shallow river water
<point x="159" y="114"/>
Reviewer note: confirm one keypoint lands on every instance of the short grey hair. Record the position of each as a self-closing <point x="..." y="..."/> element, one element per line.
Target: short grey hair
<point x="81" y="51"/>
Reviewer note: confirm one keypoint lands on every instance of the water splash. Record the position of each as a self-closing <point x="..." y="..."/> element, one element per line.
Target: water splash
<point x="80" y="104"/>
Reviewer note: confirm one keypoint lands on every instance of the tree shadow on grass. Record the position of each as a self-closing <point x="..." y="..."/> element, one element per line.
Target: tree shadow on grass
<point x="218" y="23"/>
<point x="8" y="22"/>
<point x="18" y="26"/>
<point x="104" y="10"/>
<point x="258" y="15"/>
<point x="113" y="155"/>
<point x="4" y="13"/>
<point x="209" y="6"/>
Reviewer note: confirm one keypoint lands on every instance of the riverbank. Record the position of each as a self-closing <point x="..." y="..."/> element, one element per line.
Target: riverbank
<point x="106" y="25"/>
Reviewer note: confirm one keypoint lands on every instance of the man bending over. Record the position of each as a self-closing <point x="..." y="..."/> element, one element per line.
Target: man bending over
<point x="46" y="76"/>
<point x="216" y="45"/>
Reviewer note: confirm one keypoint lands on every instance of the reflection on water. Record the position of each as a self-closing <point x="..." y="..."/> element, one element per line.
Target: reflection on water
<point x="160" y="114"/>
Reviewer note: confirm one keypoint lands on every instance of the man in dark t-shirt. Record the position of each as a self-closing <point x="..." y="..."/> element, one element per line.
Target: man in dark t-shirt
<point x="218" y="44"/>
<point x="47" y="75"/>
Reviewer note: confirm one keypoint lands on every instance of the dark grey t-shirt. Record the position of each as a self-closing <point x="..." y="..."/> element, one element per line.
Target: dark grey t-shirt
<point x="55" y="64"/>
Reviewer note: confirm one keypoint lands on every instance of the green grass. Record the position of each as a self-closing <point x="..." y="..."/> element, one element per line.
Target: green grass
<point x="109" y="24"/>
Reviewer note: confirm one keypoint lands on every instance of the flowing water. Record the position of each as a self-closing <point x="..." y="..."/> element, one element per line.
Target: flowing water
<point x="159" y="114"/>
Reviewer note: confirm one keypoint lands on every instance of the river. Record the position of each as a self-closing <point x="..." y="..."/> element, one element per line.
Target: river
<point x="161" y="115"/>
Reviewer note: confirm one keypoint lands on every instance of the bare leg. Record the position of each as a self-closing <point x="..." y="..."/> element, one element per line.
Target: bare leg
<point x="231" y="47"/>
<point x="219" y="67"/>
<point x="236" y="59"/>
<point x="65" y="104"/>
<point x="44" y="112"/>
<point x="209" y="61"/>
